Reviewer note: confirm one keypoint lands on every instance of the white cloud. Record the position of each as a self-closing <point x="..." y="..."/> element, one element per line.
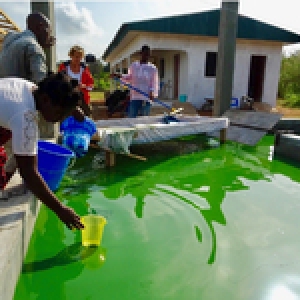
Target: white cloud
<point x="76" y="25"/>
<point x="175" y="7"/>
<point x="149" y="9"/>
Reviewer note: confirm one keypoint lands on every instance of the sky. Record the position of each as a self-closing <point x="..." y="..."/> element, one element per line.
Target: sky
<point x="93" y="24"/>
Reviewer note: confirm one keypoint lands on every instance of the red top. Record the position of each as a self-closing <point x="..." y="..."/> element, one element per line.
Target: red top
<point x="86" y="79"/>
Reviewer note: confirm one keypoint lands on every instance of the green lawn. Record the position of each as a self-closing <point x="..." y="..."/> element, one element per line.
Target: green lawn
<point x="95" y="95"/>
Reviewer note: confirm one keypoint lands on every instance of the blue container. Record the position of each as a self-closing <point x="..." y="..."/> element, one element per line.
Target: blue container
<point x="182" y="98"/>
<point x="77" y="135"/>
<point x="53" y="161"/>
<point x="234" y="103"/>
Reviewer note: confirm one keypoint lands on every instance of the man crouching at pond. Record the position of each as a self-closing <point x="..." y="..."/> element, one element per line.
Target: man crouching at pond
<point x="55" y="98"/>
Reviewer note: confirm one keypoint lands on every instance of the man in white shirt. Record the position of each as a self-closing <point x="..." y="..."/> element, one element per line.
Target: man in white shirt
<point x="143" y="75"/>
<point x="54" y="98"/>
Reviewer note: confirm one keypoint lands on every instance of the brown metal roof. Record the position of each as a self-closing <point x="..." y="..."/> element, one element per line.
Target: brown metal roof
<point x="6" y="25"/>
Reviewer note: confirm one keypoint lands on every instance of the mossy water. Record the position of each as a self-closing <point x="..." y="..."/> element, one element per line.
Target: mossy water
<point x="195" y="221"/>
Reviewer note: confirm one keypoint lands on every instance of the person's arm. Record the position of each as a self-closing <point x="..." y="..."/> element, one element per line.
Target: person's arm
<point x="25" y="132"/>
<point x="127" y="77"/>
<point x="87" y="80"/>
<point x="154" y="85"/>
<point x="79" y="114"/>
<point x="86" y="86"/>
<point x="61" y="67"/>
<point x="36" y="58"/>
<point x="27" y="166"/>
<point x="87" y="111"/>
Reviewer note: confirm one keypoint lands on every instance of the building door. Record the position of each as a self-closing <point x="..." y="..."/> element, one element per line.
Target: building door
<point x="256" y="77"/>
<point x="176" y="75"/>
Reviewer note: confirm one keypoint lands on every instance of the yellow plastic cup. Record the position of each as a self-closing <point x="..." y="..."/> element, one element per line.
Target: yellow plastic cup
<point x="91" y="235"/>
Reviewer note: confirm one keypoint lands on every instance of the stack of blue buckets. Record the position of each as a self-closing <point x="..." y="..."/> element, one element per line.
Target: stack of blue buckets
<point x="54" y="160"/>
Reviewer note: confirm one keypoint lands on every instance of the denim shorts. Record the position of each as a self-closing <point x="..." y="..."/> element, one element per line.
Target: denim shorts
<point x="138" y="108"/>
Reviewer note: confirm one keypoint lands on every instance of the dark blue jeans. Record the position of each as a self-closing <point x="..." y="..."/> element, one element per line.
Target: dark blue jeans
<point x="138" y="108"/>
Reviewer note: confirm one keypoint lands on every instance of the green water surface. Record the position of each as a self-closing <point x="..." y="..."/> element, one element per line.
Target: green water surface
<point x="195" y="221"/>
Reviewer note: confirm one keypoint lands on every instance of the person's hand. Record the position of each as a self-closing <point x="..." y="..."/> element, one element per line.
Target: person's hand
<point x="69" y="218"/>
<point x="51" y="41"/>
<point x="82" y="86"/>
<point x="78" y="114"/>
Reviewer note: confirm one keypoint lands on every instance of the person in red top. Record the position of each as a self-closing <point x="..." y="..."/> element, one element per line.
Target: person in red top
<point x="76" y="69"/>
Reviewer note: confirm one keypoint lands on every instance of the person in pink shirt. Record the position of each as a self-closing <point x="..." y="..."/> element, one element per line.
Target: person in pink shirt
<point x="143" y="75"/>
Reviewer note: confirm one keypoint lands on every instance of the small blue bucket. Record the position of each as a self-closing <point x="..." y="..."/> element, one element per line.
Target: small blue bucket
<point x="77" y="135"/>
<point x="182" y="98"/>
<point x="53" y="161"/>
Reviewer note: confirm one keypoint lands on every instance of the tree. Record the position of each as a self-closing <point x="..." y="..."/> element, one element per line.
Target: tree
<point x="104" y="82"/>
<point x="96" y="68"/>
<point x="289" y="83"/>
<point x="101" y="78"/>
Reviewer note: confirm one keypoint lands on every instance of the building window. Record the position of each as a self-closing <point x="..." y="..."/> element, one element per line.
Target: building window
<point x="161" y="68"/>
<point x="211" y="64"/>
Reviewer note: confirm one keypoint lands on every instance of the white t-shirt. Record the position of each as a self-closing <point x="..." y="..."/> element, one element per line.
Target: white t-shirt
<point x="74" y="75"/>
<point x="18" y="114"/>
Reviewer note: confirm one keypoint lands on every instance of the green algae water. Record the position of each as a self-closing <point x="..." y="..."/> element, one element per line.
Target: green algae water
<point x="195" y="221"/>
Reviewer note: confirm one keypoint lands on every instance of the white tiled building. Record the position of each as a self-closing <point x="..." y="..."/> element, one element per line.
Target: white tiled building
<point x="184" y="48"/>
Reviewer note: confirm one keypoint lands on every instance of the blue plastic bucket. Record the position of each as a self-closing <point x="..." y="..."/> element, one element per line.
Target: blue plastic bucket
<point x="53" y="161"/>
<point x="182" y="98"/>
<point x="77" y="135"/>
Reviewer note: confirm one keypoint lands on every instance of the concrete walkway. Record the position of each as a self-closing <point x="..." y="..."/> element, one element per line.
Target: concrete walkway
<point x="17" y="218"/>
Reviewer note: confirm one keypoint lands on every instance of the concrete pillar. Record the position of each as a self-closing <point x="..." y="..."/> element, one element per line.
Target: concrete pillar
<point x="226" y="56"/>
<point x="111" y="71"/>
<point x="47" y="130"/>
<point x="117" y="69"/>
<point x="47" y="8"/>
<point x="121" y="72"/>
<point x="128" y="62"/>
<point x="112" y="82"/>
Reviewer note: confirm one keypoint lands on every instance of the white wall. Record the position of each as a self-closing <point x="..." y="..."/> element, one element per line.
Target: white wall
<point x="192" y="52"/>
<point x="272" y="69"/>
<point x="183" y="76"/>
<point x="201" y="87"/>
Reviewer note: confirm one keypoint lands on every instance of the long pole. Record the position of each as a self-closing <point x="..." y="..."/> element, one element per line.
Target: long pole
<point x="226" y="56"/>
